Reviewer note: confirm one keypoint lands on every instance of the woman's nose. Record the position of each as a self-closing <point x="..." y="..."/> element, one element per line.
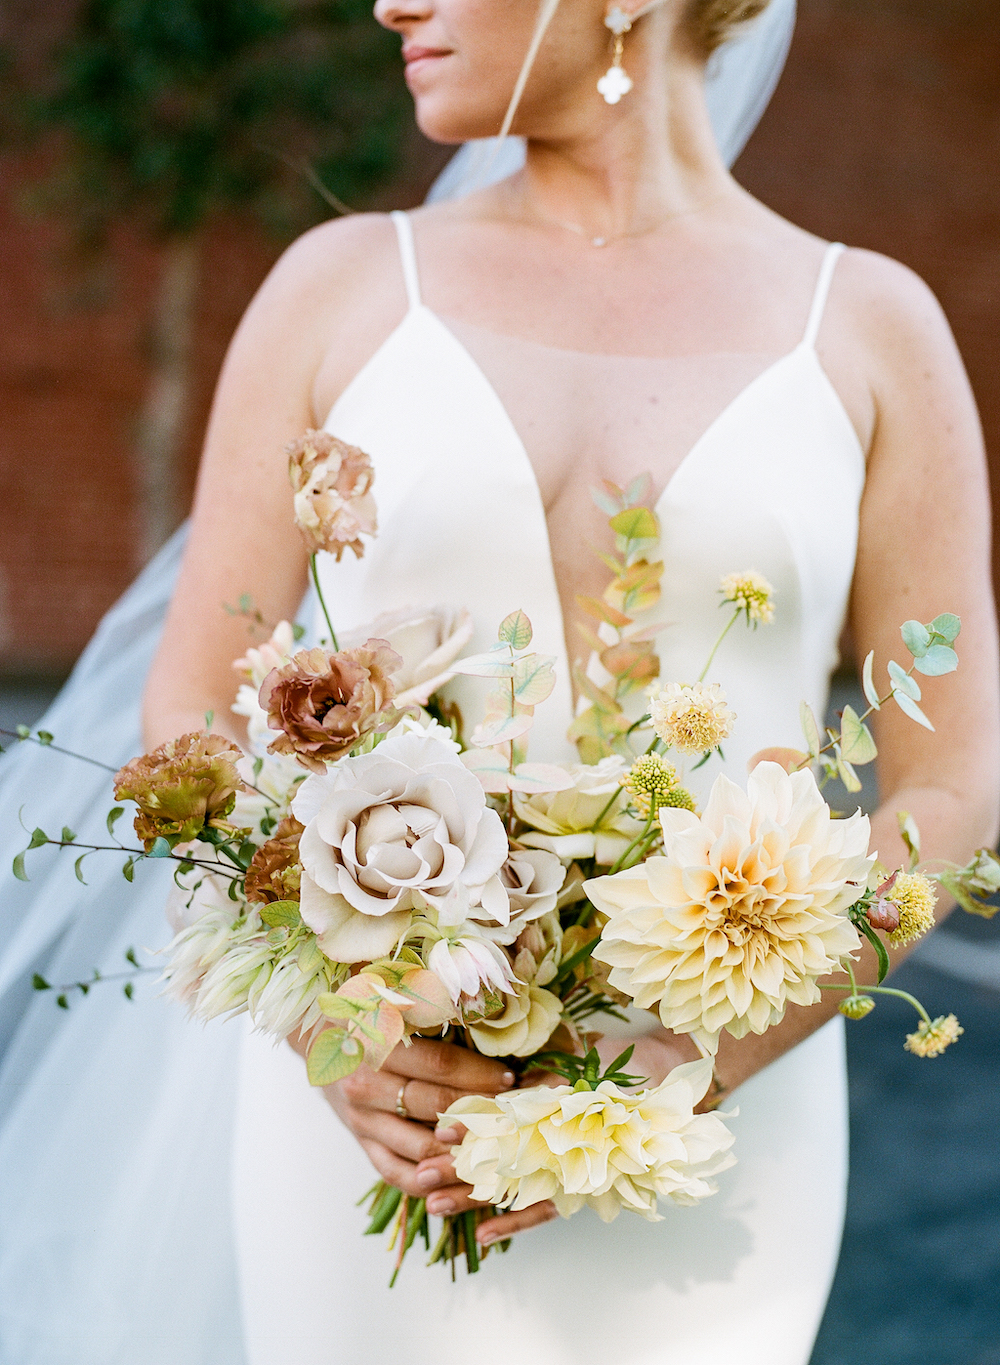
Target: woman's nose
<point x="396" y="14"/>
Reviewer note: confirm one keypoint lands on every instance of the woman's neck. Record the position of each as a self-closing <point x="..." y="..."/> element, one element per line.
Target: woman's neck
<point x="631" y="168"/>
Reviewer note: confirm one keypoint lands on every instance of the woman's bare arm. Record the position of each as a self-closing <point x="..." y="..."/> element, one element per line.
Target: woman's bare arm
<point x="324" y="308"/>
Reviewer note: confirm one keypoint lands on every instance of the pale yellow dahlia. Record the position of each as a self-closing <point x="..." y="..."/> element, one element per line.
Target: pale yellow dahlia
<point x="607" y="1147"/>
<point x="750" y="592"/>
<point x="691" y="717"/>
<point x="744" y="910"/>
<point x="931" y="1039"/>
<point x="914" y="897"/>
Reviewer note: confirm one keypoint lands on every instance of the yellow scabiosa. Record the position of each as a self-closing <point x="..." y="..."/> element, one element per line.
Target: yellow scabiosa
<point x="914" y="897"/>
<point x="652" y="782"/>
<point x="691" y="717"/>
<point x="750" y="592"/>
<point x="931" y="1039"/>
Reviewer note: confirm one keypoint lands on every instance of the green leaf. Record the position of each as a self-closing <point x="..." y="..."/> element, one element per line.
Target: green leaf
<point x="515" y="630"/>
<point x="947" y="625"/>
<point x="534" y="679"/>
<point x="67" y="835"/>
<point x="38" y="838"/>
<point x="78" y="868"/>
<point x="856" y="743"/>
<point x="44" y="737"/>
<point x="902" y="681"/>
<point x="114" y="815"/>
<point x="878" y="945"/>
<point x="868" y="683"/>
<point x="131" y="957"/>
<point x="938" y="660"/>
<point x="810" y="729"/>
<point x="338" y="1006"/>
<point x="39" y="983"/>
<point x="328" y="1062"/>
<point x="62" y="1002"/>
<point x="129" y="990"/>
<point x="128" y="869"/>
<point x="23" y="732"/>
<point x="160" y="849"/>
<point x="19" y="871"/>
<point x="636" y="523"/>
<point x="209" y="718"/>
<point x="847" y="775"/>
<point x="910" y="835"/>
<point x="281" y="913"/>
<point x="916" y="638"/>
<point x="911" y="709"/>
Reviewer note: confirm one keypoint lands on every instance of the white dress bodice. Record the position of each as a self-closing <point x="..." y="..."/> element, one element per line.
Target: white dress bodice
<point x="773" y="484"/>
<point x="461" y="521"/>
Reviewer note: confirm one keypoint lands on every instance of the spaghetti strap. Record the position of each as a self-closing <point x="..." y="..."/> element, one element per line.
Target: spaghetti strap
<point x="407" y="256"/>
<point x="832" y="254"/>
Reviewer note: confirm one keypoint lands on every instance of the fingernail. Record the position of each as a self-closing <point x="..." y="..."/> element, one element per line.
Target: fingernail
<point x="441" y="1205"/>
<point x="428" y="1179"/>
<point x="446" y="1134"/>
<point x="488" y="1238"/>
<point x="509" y="1078"/>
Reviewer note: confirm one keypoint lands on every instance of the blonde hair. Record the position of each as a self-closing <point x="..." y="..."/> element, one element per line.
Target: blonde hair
<point x="711" y="22"/>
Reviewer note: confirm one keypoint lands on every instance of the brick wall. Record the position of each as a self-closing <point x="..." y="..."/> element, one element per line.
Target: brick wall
<point x="885" y="132"/>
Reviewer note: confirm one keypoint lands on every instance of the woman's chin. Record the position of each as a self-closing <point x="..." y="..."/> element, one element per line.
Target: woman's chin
<point x="451" y="121"/>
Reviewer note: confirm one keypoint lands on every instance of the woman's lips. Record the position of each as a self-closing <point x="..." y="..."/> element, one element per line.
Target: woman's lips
<point x="419" y="59"/>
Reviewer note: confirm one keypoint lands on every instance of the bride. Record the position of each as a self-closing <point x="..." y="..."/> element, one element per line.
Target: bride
<point x="617" y="304"/>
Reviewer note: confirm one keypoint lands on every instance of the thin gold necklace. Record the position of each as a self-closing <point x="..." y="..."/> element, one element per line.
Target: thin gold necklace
<point x="619" y="236"/>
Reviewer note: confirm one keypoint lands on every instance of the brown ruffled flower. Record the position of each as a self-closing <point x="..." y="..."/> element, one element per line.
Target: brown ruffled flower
<point x="324" y="704"/>
<point x="181" y="787"/>
<point x="333" y="503"/>
<point x="274" y="873"/>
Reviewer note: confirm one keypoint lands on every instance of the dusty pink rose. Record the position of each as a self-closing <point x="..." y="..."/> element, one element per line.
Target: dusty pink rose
<point x="332" y="485"/>
<point x="324" y="704"/>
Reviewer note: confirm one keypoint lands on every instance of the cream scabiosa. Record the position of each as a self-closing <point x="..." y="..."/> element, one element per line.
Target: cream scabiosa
<point x="744" y="910"/>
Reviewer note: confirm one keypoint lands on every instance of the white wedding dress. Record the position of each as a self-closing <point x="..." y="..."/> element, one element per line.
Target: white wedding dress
<point x="741" y="1279"/>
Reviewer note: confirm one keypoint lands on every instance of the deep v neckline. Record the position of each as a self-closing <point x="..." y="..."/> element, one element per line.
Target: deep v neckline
<point x="420" y="312"/>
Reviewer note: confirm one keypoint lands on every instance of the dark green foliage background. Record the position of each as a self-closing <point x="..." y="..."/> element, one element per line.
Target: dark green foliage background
<point x="178" y="109"/>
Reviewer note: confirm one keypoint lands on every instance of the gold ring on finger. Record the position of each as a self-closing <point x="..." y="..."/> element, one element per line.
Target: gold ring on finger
<point x="401" y="1108"/>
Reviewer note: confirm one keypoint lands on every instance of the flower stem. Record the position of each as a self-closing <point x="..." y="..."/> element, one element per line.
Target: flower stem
<point x="322" y="601"/>
<point x="725" y="631"/>
<point x="881" y="990"/>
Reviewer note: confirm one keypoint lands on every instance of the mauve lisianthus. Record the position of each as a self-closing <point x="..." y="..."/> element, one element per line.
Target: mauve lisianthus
<point x="182" y="786"/>
<point x="575" y="823"/>
<point x="274" y="873"/>
<point x="324" y="704"/>
<point x="333" y="503"/>
<point x="402" y="829"/>
<point x="743" y="912"/>
<point x="428" y="640"/>
<point x="608" y="1148"/>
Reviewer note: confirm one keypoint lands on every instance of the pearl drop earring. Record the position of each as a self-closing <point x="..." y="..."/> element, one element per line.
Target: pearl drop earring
<point x="616" y="81"/>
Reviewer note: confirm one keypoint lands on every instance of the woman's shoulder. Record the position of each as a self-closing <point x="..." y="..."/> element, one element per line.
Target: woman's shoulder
<point x="892" y="309"/>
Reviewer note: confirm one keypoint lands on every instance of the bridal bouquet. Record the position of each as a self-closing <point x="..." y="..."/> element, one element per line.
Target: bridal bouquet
<point x="369" y="872"/>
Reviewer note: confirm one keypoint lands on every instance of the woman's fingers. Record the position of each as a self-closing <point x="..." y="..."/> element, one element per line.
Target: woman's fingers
<point x="390" y="1092"/>
<point x="444" y="1064"/>
<point x="507" y="1224"/>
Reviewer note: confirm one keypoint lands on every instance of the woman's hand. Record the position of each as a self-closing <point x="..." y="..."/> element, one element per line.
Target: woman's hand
<point x="424" y="1079"/>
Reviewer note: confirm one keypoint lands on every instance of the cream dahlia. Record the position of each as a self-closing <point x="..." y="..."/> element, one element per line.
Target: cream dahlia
<point x="744" y="910"/>
<point x="608" y="1148"/>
